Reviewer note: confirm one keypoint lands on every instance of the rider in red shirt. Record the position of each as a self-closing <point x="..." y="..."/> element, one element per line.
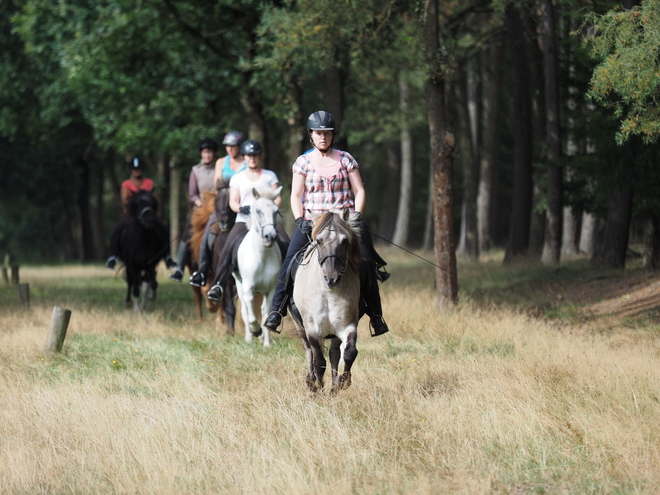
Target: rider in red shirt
<point x="136" y="182"/>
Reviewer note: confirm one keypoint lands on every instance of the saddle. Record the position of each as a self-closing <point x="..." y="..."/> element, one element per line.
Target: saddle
<point x="366" y="279"/>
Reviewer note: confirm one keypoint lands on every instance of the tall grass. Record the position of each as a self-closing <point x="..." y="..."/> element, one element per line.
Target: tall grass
<point x="480" y="399"/>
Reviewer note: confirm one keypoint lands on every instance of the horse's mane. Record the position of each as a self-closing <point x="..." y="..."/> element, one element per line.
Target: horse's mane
<point x="199" y="218"/>
<point x="334" y="220"/>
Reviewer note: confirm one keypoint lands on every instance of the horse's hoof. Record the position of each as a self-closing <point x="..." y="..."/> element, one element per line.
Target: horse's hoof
<point x="257" y="333"/>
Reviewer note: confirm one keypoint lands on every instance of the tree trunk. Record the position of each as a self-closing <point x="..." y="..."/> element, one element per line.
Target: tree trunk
<point x="333" y="96"/>
<point x="442" y="160"/>
<point x="389" y="199"/>
<point x="85" y="235"/>
<point x="553" y="228"/>
<point x="588" y="234"/>
<point x="539" y="119"/>
<point x="489" y="178"/>
<point x="652" y="242"/>
<point x="468" y="245"/>
<point x="99" y="210"/>
<point x="406" y="182"/>
<point x="569" y="241"/>
<point x="175" y="193"/>
<point x="611" y="252"/>
<point x="521" y="205"/>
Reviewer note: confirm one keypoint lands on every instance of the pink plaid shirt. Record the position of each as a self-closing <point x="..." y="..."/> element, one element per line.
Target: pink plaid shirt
<point x="326" y="193"/>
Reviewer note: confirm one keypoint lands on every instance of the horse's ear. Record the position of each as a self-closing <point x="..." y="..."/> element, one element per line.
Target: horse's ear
<point x="277" y="192"/>
<point x="255" y="193"/>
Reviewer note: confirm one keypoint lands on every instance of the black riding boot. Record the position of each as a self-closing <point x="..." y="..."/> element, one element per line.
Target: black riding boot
<point x="184" y="255"/>
<point x="371" y="299"/>
<point x="198" y="278"/>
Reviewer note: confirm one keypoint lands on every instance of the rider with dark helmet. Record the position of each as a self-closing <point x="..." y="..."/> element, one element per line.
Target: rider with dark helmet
<point x="201" y="179"/>
<point x="240" y="200"/>
<point x="325" y="179"/>
<point x="136" y="182"/>
<point x="225" y="168"/>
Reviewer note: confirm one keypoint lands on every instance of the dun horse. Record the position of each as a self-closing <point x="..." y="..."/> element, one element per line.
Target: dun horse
<point x="141" y="246"/>
<point x="326" y="298"/>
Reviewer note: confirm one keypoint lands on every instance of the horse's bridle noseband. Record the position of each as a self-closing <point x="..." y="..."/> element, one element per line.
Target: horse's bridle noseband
<point x="143" y="211"/>
<point x="342" y="261"/>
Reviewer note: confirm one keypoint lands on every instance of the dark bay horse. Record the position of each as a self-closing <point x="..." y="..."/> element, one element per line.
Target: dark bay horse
<point x="326" y="298"/>
<point x="141" y="246"/>
<point x="224" y="218"/>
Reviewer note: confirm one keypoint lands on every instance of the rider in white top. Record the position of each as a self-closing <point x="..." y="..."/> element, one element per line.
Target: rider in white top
<point x="240" y="200"/>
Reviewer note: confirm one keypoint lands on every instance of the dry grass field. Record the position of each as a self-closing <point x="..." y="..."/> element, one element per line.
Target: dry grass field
<point x="538" y="382"/>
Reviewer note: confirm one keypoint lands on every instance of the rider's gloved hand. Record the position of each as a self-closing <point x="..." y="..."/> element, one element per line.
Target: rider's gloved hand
<point x="304" y="226"/>
<point x="245" y="210"/>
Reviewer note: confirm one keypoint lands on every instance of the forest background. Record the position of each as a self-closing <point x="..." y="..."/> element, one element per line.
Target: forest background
<point x="552" y="104"/>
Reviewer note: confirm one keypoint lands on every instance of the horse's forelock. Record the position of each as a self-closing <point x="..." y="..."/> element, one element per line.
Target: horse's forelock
<point x="352" y="233"/>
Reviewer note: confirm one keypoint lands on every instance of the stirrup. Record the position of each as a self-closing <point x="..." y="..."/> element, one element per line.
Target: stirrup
<point x="377" y="330"/>
<point x="198" y="279"/>
<point x="272" y="327"/>
<point x="211" y="294"/>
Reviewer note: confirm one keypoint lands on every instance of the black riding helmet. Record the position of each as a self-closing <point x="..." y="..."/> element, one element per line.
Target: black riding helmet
<point x="209" y="143"/>
<point x="321" y="121"/>
<point x="136" y="163"/>
<point x="251" y="147"/>
<point x="233" y="138"/>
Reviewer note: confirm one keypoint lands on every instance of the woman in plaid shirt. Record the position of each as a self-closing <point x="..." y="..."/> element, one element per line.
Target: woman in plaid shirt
<point x="326" y="179"/>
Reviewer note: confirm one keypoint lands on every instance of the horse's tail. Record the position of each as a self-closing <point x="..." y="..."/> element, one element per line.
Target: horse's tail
<point x="198" y="221"/>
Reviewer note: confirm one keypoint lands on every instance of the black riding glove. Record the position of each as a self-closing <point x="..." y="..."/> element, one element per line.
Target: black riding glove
<point x="245" y="210"/>
<point x="304" y="226"/>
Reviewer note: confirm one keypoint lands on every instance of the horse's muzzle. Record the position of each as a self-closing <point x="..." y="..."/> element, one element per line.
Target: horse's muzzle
<point x="332" y="283"/>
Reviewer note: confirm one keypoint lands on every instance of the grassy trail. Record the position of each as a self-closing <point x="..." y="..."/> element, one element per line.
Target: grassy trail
<point x="511" y="392"/>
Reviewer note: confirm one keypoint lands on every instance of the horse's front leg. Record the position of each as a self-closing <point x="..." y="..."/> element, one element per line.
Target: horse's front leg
<point x="335" y="355"/>
<point x="144" y="290"/>
<point x="252" y="323"/>
<point x="349" y="352"/>
<point x="266" y="300"/>
<point x="315" y="385"/>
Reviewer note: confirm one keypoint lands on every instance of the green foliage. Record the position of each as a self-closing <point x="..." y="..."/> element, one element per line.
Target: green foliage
<point x="628" y="77"/>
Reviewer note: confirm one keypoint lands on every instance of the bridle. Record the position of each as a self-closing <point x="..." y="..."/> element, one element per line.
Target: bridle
<point x="143" y="211"/>
<point x="343" y="261"/>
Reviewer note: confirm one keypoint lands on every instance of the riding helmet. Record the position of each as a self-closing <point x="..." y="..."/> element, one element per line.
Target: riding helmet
<point x="251" y="147"/>
<point x="321" y="121"/>
<point x="136" y="163"/>
<point x="209" y="143"/>
<point x="233" y="138"/>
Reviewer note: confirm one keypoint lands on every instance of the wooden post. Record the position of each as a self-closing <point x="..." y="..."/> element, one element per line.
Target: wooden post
<point x="14" y="275"/>
<point x="58" y="325"/>
<point x="5" y="267"/>
<point x="24" y="294"/>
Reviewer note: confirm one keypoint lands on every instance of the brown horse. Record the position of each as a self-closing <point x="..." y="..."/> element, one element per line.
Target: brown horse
<point x="326" y="298"/>
<point x="225" y="217"/>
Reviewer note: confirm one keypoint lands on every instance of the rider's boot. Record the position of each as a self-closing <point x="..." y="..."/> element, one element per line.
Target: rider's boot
<point x="273" y="321"/>
<point x="374" y="309"/>
<point x="170" y="263"/>
<point x="177" y="276"/>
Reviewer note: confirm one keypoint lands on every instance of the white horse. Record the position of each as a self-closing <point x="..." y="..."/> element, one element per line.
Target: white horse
<point x="258" y="262"/>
